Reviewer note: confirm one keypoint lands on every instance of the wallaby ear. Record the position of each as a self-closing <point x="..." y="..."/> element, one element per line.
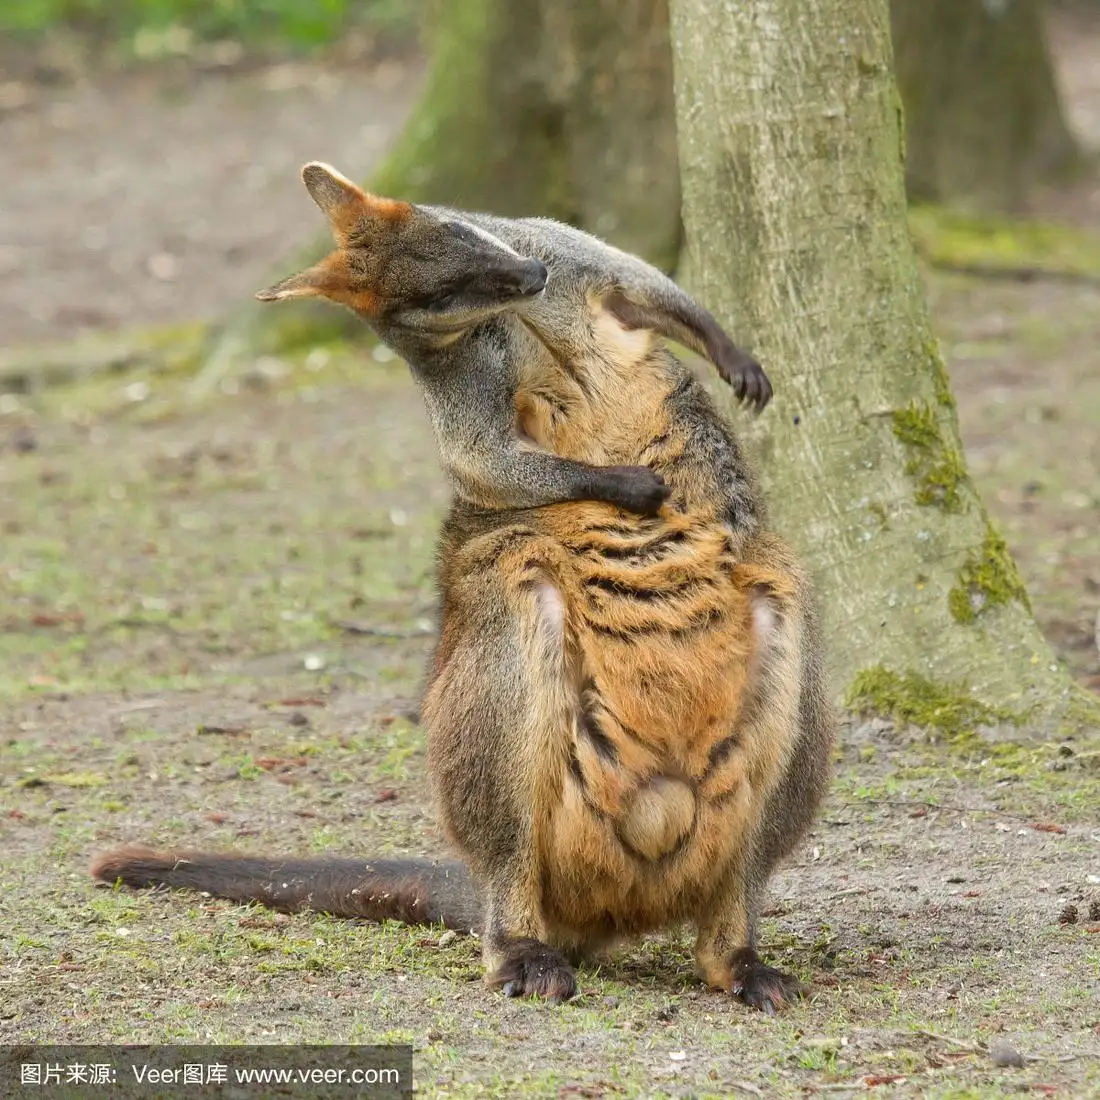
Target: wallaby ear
<point x="331" y="190"/>
<point x="328" y="278"/>
<point x="306" y="284"/>
<point x="332" y="279"/>
<point x="344" y="203"/>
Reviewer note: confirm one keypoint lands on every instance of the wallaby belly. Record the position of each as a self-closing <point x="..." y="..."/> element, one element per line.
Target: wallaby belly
<point x="657" y="787"/>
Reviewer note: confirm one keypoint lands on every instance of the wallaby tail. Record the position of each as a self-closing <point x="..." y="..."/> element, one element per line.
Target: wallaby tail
<point x="414" y="891"/>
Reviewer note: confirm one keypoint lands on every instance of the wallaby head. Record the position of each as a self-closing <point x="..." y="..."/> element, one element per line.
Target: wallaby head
<point x="404" y="265"/>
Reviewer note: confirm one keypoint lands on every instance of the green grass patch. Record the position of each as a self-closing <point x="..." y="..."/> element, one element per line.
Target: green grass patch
<point x="999" y="245"/>
<point x="164" y="556"/>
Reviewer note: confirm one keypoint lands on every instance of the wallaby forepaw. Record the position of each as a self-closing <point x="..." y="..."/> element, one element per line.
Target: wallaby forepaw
<point x="637" y="489"/>
<point x="746" y="376"/>
<point x="761" y="986"/>
<point x="531" y="969"/>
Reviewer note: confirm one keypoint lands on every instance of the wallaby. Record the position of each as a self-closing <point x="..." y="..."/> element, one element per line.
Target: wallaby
<point x="627" y="719"/>
<point x="431" y="282"/>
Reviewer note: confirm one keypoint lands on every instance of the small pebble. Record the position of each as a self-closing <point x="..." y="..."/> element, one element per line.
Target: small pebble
<point x="448" y="938"/>
<point x="1003" y="1053"/>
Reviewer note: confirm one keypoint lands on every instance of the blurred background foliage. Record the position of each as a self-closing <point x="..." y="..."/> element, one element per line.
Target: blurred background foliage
<point x="154" y="28"/>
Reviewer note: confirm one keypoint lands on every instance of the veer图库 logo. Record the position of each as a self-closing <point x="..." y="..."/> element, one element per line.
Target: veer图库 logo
<point x="202" y="1072"/>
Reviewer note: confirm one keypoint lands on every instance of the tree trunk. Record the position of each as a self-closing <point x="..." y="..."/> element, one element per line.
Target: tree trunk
<point x="795" y="216"/>
<point x="556" y="107"/>
<point x="983" y="119"/>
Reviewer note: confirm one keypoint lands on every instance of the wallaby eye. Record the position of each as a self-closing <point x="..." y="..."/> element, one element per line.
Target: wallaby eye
<point x="444" y="302"/>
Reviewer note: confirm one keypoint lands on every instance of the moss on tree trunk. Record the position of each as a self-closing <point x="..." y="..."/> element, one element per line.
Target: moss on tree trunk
<point x="795" y="215"/>
<point x="556" y="107"/>
<point x="983" y="119"/>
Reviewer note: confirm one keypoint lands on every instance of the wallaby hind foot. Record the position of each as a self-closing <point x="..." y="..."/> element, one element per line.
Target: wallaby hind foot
<point x="530" y="968"/>
<point x="759" y="985"/>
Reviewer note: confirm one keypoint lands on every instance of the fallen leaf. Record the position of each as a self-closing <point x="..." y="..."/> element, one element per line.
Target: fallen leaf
<point x="45" y="618"/>
<point x="232" y="731"/>
<point x="217" y="818"/>
<point x="270" y="763"/>
<point x="301" y="701"/>
<point x="884" y="1079"/>
<point x="386" y="794"/>
<point x="1048" y="827"/>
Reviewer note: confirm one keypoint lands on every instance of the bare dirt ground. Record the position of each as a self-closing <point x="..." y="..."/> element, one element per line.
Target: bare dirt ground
<point x="144" y="196"/>
<point x="214" y="617"/>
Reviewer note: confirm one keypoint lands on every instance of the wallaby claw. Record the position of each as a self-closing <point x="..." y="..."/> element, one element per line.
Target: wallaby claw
<point x="746" y="376"/>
